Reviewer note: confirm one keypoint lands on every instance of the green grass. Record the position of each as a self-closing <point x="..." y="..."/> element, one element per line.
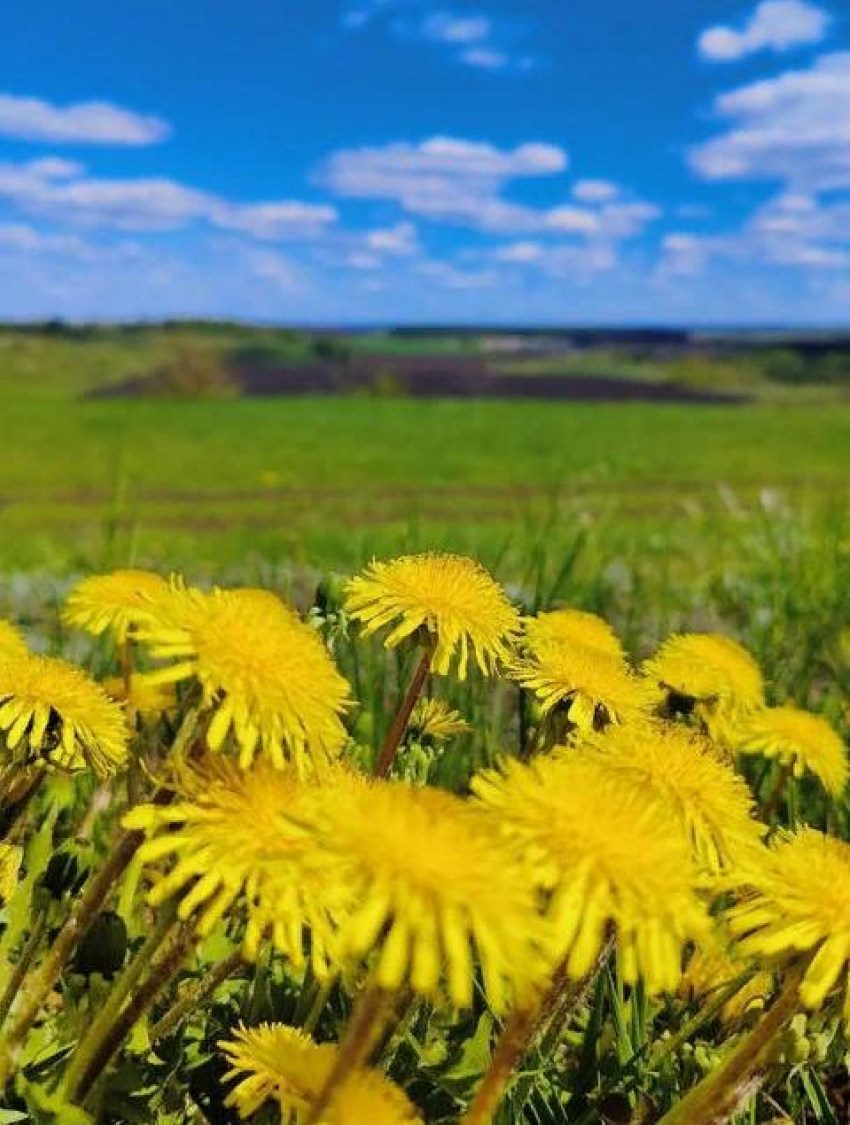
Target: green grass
<point x="333" y="480"/>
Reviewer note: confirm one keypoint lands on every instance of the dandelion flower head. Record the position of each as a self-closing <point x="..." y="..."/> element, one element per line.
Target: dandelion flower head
<point x="712" y="802"/>
<point x="798" y="739"/>
<point x="609" y="855"/>
<point x="283" y="1064"/>
<point x="714" y="969"/>
<point x="11" y="642"/>
<point x="595" y="687"/>
<point x="571" y="627"/>
<point x="141" y="695"/>
<point x="52" y="711"/>
<point x="435" y="721"/>
<point x="793" y="901"/>
<point x="116" y="602"/>
<point x="452" y="597"/>
<point x="429" y="880"/>
<point x="707" y="667"/>
<point x="231" y="832"/>
<point x="263" y="672"/>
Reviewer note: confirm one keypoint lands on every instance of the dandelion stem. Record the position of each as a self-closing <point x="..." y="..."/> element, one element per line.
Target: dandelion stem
<point x="39" y="984"/>
<point x="100" y="1027"/>
<point x="194" y="997"/>
<point x="394" y="735"/>
<point x="776" y="794"/>
<point x="161" y="973"/>
<point x="319" y="1002"/>
<point x="23" y="963"/>
<point x="364" y="1029"/>
<point x="725" y="1090"/>
<point x="519" y="1034"/>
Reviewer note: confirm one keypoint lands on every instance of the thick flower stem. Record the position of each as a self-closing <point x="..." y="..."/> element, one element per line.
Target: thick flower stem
<point x="725" y="1090"/>
<point x="394" y="735"/>
<point x="38" y="985"/>
<point x="183" y="938"/>
<point x="23" y="963"/>
<point x="100" y="1027"/>
<point x="365" y="1027"/>
<point x="521" y="1032"/>
<point x="194" y="997"/>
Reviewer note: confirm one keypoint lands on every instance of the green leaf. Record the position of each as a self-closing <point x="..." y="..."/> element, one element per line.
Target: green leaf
<point x="817" y="1098"/>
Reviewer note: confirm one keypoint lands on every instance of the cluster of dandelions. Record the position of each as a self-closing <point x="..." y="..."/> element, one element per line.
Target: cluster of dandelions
<point x="631" y="829"/>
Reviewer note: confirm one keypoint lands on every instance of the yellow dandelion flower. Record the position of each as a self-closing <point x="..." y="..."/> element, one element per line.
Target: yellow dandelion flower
<point x="11" y="642"/>
<point x="265" y="673"/>
<point x="713" y="969"/>
<point x="53" y="711"/>
<point x="797" y="739"/>
<point x="708" y="673"/>
<point x="143" y="696"/>
<point x="433" y="719"/>
<point x="282" y="1064"/>
<point x="116" y="602"/>
<point x="451" y="597"/>
<point x="609" y="855"/>
<point x="594" y="687"/>
<point x="793" y="901"/>
<point x="229" y="833"/>
<point x="428" y="880"/>
<point x="11" y="857"/>
<point x="571" y="627"/>
<point x="712" y="802"/>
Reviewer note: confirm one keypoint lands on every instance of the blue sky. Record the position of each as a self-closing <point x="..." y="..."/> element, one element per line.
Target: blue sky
<point x="344" y="161"/>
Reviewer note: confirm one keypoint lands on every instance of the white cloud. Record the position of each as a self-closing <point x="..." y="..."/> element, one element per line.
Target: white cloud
<point x="444" y="178"/>
<point x="270" y="222"/>
<point x="273" y="268"/>
<point x="485" y="58"/>
<point x="594" y="191"/>
<point x="447" y="180"/>
<point x="62" y="190"/>
<point x="470" y="37"/>
<point x="776" y="25"/>
<point x="450" y="27"/>
<point x="794" y="127"/>
<point x="94" y="123"/>
<point x="447" y="275"/>
<point x="400" y="240"/>
<point x="791" y="230"/>
<point x="577" y="262"/>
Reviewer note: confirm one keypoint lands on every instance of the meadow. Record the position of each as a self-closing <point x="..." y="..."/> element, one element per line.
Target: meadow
<point x="538" y="912"/>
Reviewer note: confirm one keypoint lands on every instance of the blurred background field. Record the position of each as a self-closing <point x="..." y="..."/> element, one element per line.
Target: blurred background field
<point x="141" y="444"/>
<point x="655" y="513"/>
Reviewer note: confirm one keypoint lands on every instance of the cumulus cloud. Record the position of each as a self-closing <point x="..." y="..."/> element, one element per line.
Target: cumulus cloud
<point x="89" y="123"/>
<point x="62" y="190"/>
<point x="775" y="25"/>
<point x="452" y="27"/>
<point x="578" y="262"/>
<point x="594" y="191"/>
<point x="794" y="127"/>
<point x="485" y="58"/>
<point x="465" y="183"/>
<point x="469" y="36"/>
<point x="792" y="230"/>
<point x="443" y="178"/>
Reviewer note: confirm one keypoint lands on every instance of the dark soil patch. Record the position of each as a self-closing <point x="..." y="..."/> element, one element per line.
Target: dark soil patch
<point x="431" y="377"/>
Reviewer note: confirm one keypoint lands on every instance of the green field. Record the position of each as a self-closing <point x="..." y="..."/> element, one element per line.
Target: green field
<point x="330" y="481"/>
